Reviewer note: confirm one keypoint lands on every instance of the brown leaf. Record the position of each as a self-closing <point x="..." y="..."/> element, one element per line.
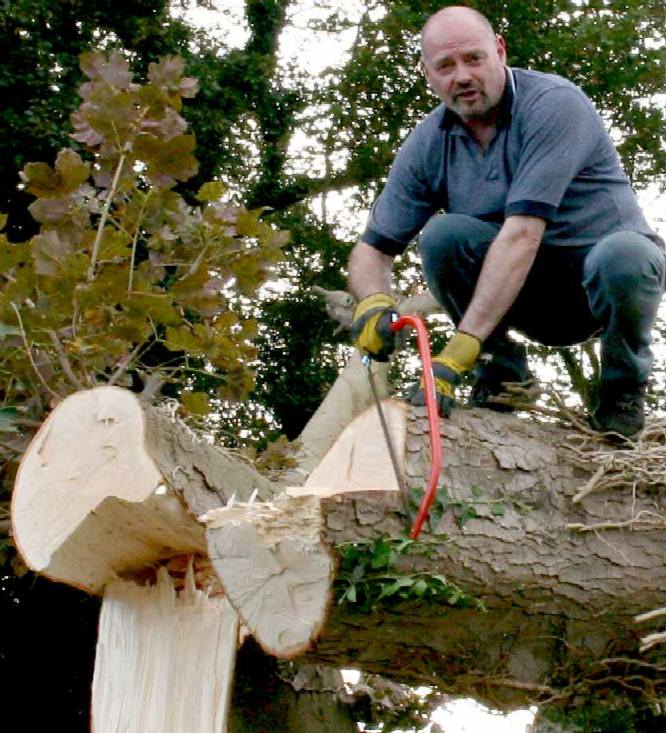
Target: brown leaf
<point x="169" y="161"/>
<point x="111" y="69"/>
<point x="48" y="251"/>
<point x="39" y="179"/>
<point x="72" y="171"/>
<point x="49" y="211"/>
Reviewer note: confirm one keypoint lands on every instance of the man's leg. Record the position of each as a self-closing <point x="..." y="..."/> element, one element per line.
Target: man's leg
<point x="624" y="282"/>
<point x="453" y="247"/>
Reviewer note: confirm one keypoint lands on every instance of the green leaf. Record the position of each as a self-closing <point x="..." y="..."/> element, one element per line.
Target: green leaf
<point x="477" y="491"/>
<point x="50" y="210"/>
<point x="420" y="587"/>
<point x="40" y="179"/>
<point x="183" y="339"/>
<point x="167" y="161"/>
<point x="196" y="403"/>
<point x="211" y="191"/>
<point x="6" y="330"/>
<point x="398" y="584"/>
<point x="112" y="69"/>
<point x="8" y="417"/>
<point x="498" y="509"/>
<point x="466" y="512"/>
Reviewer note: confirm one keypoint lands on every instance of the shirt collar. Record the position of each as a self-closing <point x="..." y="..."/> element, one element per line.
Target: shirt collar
<point x="450" y="118"/>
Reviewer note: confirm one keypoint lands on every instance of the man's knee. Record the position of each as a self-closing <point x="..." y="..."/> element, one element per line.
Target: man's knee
<point x="448" y="239"/>
<point x="625" y="261"/>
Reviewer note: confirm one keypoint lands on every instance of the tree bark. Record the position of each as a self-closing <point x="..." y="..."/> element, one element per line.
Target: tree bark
<point x="560" y="601"/>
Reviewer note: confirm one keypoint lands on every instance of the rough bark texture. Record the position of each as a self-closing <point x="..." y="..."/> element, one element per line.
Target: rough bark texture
<point x="560" y="603"/>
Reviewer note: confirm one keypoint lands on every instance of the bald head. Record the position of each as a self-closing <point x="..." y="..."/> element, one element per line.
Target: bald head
<point x="464" y="62"/>
<point x="454" y="16"/>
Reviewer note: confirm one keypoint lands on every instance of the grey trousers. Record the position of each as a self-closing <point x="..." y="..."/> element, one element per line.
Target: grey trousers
<point x="611" y="289"/>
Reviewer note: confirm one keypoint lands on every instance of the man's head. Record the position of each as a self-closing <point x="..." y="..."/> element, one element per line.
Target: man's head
<point x="464" y="62"/>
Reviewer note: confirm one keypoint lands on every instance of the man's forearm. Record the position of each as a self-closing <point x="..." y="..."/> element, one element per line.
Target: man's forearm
<point x="369" y="271"/>
<point x="503" y="274"/>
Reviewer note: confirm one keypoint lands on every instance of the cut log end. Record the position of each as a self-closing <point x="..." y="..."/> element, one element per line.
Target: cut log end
<point x="277" y="574"/>
<point x="89" y="502"/>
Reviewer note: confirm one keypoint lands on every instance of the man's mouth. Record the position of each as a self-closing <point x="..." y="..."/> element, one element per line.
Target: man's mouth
<point x="467" y="95"/>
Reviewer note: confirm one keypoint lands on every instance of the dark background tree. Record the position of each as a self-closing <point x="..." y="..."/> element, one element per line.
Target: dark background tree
<point x="247" y="115"/>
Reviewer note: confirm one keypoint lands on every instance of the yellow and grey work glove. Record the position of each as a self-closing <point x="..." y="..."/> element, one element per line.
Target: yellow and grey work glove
<point x="370" y="328"/>
<point x="458" y="357"/>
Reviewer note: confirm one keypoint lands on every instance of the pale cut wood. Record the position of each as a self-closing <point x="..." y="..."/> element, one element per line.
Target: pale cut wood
<point x="164" y="660"/>
<point x="89" y="502"/>
<point x="349" y="397"/>
<point x="274" y="569"/>
<point x="359" y="459"/>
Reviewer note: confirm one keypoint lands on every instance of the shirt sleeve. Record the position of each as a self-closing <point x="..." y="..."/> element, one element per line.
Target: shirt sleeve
<point x="405" y="204"/>
<point x="561" y="130"/>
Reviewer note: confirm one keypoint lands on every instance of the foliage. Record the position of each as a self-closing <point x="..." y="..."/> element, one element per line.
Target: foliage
<point x="369" y="577"/>
<point x="612" y="714"/>
<point x="121" y="261"/>
<point x="123" y="270"/>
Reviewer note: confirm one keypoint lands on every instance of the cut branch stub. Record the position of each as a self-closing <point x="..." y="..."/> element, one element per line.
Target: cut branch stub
<point x="275" y="570"/>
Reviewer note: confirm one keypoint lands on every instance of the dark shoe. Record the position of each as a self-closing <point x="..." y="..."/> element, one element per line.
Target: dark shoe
<point x="621" y="412"/>
<point x="485" y="391"/>
<point x="504" y="363"/>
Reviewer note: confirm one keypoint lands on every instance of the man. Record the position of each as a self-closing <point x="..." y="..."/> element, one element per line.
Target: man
<point x="541" y="231"/>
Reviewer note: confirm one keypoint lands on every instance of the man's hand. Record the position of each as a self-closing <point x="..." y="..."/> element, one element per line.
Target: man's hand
<point x="458" y="357"/>
<point x="370" y="328"/>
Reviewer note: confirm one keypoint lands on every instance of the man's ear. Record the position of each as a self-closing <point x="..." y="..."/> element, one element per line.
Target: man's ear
<point x="501" y="48"/>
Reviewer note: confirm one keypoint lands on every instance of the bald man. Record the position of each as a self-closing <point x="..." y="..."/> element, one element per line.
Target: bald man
<point x="526" y="221"/>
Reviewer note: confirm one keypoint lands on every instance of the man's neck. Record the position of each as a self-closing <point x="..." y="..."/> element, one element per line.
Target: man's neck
<point x="483" y="130"/>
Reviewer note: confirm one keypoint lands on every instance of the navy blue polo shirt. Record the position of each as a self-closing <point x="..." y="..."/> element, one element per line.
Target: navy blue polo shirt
<point x="551" y="158"/>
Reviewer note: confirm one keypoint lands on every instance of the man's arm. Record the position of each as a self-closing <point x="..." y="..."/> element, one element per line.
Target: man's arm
<point x="505" y="269"/>
<point x="369" y="271"/>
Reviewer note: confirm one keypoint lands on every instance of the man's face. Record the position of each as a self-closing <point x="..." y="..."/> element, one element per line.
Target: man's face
<point x="464" y="65"/>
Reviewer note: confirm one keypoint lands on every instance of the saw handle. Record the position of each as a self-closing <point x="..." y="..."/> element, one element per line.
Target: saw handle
<point x="423" y="344"/>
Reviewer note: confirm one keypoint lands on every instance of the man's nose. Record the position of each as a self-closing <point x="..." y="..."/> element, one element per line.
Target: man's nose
<point x="462" y="74"/>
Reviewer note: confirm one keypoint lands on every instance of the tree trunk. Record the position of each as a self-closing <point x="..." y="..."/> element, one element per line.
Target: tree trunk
<point x="560" y="577"/>
<point x="560" y="580"/>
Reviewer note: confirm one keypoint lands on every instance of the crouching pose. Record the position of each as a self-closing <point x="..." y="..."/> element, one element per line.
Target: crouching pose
<point x="541" y="231"/>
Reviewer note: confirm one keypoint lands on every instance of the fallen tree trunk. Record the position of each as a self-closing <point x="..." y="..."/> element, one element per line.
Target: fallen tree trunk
<point x="506" y="535"/>
<point x="560" y="581"/>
